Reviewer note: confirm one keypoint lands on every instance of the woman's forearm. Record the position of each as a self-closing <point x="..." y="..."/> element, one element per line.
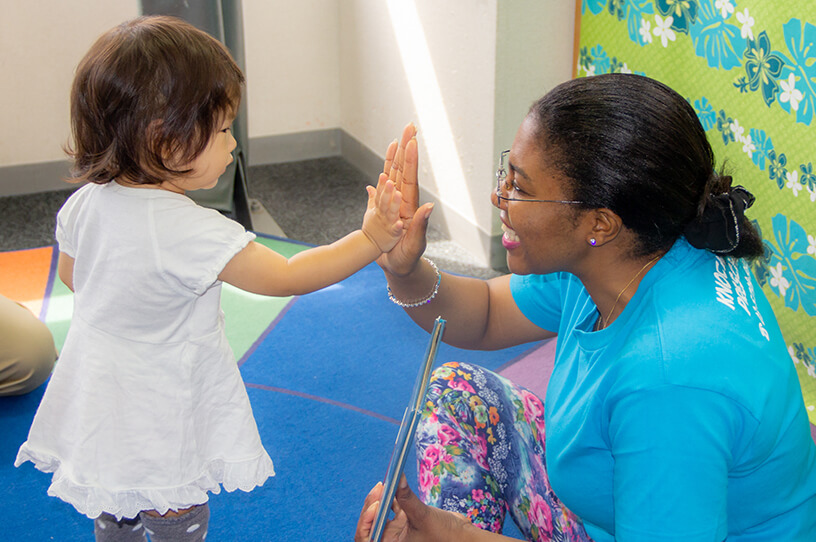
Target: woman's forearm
<point x="480" y="314"/>
<point x="464" y="302"/>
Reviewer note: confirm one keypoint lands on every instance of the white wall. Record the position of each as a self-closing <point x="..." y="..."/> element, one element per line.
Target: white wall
<point x="465" y="71"/>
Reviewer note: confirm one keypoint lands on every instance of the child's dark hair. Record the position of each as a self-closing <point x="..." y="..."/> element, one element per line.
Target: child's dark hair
<point x="147" y="98"/>
<point x="633" y="145"/>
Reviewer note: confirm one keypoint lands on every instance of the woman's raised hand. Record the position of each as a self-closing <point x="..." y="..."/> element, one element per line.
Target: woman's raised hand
<point x="401" y="162"/>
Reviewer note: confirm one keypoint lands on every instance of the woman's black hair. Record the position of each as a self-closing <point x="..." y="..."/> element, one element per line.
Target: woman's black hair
<point x="633" y="145"/>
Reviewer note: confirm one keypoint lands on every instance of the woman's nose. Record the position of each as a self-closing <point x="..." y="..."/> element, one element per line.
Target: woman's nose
<point x="495" y="199"/>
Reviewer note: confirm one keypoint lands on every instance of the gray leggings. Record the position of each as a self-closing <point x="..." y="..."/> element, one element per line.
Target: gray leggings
<point x="188" y="527"/>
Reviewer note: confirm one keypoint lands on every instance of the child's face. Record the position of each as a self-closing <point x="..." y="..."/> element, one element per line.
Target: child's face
<point x="209" y="165"/>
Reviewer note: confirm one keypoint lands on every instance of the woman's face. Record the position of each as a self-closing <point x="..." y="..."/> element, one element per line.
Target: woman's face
<point x="540" y="237"/>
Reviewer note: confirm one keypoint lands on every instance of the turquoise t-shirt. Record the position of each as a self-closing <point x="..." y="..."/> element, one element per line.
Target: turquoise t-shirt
<point x="684" y="419"/>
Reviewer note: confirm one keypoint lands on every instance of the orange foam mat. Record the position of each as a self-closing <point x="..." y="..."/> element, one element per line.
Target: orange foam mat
<point x="24" y="276"/>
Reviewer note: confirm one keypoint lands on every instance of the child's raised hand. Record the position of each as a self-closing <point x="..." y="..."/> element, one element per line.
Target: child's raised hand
<point x="382" y="223"/>
<point x="401" y="164"/>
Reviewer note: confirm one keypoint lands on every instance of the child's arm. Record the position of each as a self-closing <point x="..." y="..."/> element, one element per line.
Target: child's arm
<point x="260" y="270"/>
<point x="65" y="270"/>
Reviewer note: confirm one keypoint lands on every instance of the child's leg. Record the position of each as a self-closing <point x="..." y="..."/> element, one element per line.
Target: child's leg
<point x="480" y="449"/>
<point x="190" y="526"/>
<point x="108" y="529"/>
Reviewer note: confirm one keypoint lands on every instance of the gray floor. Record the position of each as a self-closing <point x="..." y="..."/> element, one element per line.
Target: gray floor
<point x="314" y="201"/>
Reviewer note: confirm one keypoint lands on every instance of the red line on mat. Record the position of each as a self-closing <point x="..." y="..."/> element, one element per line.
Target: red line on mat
<point x="324" y="400"/>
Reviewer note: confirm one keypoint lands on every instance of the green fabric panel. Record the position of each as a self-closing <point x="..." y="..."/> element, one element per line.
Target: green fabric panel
<point x="749" y="69"/>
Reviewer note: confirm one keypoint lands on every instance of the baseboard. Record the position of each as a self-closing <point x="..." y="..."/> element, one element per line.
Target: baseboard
<point x="294" y="147"/>
<point x="361" y="157"/>
<point x="33" y="178"/>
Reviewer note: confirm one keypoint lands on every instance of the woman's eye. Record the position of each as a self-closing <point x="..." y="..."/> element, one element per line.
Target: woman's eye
<point x="516" y="188"/>
<point x="225" y="130"/>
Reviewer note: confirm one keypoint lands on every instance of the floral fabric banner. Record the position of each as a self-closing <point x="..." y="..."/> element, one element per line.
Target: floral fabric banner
<point x="749" y="69"/>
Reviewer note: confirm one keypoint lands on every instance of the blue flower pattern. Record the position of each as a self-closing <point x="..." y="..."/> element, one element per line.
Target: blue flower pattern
<point x="705" y="112"/>
<point x="633" y="11"/>
<point x="777" y="168"/>
<point x="682" y="12"/>
<point x="800" y="39"/>
<point x="763" y="67"/>
<point x="806" y="356"/>
<point x="763" y="145"/>
<point x="792" y="268"/>
<point x="720" y="43"/>
<point x="807" y="178"/>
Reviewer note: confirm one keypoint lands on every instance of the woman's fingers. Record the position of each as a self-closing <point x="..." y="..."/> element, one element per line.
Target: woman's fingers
<point x="408" y="133"/>
<point x="410" y="182"/>
<point x="397" y="163"/>
<point x="368" y="513"/>
<point x="390" y="153"/>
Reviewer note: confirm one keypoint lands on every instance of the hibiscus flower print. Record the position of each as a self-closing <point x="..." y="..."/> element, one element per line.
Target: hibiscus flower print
<point x="540" y="516"/>
<point x="790" y="93"/>
<point x="778" y="279"/>
<point x="663" y="29"/>
<point x="427" y="480"/>
<point x="461" y="385"/>
<point x="533" y="408"/>
<point x="447" y="435"/>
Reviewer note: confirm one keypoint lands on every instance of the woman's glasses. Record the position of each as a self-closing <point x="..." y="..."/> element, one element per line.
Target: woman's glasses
<point x="501" y="182"/>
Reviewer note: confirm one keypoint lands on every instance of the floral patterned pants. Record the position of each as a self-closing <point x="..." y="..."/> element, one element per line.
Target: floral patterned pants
<point x="480" y="452"/>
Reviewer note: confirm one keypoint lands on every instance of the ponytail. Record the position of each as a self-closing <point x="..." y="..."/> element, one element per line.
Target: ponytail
<point x="720" y="225"/>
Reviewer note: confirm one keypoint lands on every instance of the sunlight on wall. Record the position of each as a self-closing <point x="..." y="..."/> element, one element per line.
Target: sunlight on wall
<point x="433" y="118"/>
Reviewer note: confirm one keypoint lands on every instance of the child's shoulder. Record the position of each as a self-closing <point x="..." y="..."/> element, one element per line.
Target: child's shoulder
<point x="77" y="199"/>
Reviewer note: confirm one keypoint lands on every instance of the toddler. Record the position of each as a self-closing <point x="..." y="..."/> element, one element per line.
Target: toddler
<point x="146" y="411"/>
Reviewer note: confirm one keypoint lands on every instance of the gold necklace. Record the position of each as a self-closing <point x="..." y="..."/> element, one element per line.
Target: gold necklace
<point x="605" y="321"/>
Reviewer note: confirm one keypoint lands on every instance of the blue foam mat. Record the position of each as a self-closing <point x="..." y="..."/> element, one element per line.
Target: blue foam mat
<point x="327" y="386"/>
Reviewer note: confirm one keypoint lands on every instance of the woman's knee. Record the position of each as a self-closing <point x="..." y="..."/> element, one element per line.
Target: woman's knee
<point x="27" y="353"/>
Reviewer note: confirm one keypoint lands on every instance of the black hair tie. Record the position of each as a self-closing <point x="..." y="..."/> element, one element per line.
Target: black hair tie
<point x="718" y="229"/>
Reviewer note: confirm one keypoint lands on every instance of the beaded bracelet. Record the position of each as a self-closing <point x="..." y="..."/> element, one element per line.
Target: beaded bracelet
<point x="426" y="299"/>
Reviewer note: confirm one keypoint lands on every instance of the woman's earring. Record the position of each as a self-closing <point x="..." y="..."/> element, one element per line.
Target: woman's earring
<point x="593" y="242"/>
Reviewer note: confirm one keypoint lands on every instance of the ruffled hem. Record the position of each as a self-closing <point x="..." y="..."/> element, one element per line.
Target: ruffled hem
<point x="92" y="501"/>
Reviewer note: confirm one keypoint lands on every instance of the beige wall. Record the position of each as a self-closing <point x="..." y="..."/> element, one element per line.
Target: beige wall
<point x="292" y="65"/>
<point x="41" y="41"/>
<point x="465" y="71"/>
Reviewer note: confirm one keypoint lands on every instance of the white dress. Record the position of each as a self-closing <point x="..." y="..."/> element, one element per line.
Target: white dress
<point x="146" y="408"/>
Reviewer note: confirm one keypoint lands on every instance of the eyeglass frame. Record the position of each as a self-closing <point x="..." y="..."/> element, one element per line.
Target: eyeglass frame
<point x="501" y="179"/>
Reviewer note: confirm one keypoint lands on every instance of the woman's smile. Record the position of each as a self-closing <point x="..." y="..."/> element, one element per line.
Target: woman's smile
<point x="510" y="239"/>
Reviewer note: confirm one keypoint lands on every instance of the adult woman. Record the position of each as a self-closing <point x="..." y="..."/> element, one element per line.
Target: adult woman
<point x="673" y="411"/>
